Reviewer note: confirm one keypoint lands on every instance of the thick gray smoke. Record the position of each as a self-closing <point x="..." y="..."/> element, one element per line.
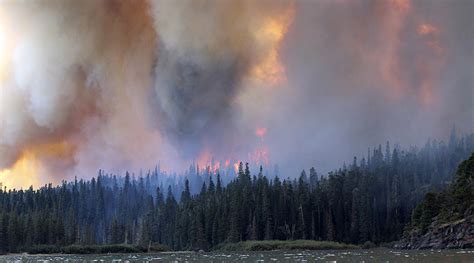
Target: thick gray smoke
<point x="362" y="72"/>
<point x="195" y="100"/>
<point x="200" y="66"/>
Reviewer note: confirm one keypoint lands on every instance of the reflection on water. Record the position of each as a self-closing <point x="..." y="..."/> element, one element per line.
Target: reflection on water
<point x="332" y="256"/>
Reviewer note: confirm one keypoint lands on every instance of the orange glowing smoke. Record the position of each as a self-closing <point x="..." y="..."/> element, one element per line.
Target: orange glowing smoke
<point x="427" y="29"/>
<point x="402" y="5"/>
<point x="29" y="168"/>
<point x="427" y="63"/>
<point x="430" y="35"/>
<point x="261" y="132"/>
<point x="395" y="20"/>
<point x="430" y="66"/>
<point x="270" y="69"/>
<point x="260" y="156"/>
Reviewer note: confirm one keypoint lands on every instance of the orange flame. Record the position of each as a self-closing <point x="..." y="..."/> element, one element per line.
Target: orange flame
<point x="206" y="161"/>
<point x="236" y="167"/>
<point x="28" y="169"/>
<point x="22" y="174"/>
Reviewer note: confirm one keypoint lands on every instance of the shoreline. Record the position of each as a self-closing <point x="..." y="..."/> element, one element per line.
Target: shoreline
<point x="263" y="245"/>
<point x="244" y="246"/>
<point x="393" y="250"/>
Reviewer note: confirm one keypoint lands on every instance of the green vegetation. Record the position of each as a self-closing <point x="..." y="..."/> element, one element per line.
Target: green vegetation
<point x="452" y="204"/>
<point x="94" y="249"/>
<point x="265" y="245"/>
<point x="102" y="249"/>
<point x="42" y="249"/>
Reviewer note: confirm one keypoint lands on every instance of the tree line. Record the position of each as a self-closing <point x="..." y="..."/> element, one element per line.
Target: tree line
<point x="371" y="199"/>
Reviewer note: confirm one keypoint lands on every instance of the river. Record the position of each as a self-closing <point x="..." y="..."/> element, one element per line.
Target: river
<point x="332" y="256"/>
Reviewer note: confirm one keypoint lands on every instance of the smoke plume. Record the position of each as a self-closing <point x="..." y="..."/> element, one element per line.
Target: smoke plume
<point x="126" y="84"/>
<point x="201" y="64"/>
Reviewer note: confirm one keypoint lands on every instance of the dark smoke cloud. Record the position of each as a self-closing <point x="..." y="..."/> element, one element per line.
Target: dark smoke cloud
<point x="200" y="66"/>
<point x="195" y="100"/>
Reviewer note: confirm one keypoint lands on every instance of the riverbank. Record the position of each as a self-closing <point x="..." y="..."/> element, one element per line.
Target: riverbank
<point x="445" y="219"/>
<point x="264" y="245"/>
<point x="269" y="245"/>
<point x="458" y="234"/>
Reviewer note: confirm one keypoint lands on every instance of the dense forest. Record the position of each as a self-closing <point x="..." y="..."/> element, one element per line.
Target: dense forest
<point x="370" y="199"/>
<point x="454" y="203"/>
<point x="444" y="219"/>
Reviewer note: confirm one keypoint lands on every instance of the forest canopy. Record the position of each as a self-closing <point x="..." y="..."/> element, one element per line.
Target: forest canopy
<point x="371" y="199"/>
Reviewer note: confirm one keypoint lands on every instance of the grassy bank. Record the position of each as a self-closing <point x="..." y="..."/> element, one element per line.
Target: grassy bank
<point x="284" y="245"/>
<point x="94" y="249"/>
<point x="265" y="245"/>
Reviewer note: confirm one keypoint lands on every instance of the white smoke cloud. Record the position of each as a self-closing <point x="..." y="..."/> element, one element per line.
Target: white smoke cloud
<point x="78" y="71"/>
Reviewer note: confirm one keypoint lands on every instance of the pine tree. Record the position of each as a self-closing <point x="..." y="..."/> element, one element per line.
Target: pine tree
<point x="355" y="226"/>
<point x="3" y="235"/>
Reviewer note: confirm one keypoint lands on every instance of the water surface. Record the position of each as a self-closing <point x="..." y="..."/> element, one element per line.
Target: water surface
<point x="329" y="256"/>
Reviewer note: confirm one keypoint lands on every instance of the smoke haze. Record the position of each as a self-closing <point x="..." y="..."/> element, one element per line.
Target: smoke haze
<point x="127" y="84"/>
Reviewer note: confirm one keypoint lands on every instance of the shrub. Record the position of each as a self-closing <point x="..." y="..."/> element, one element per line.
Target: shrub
<point x="43" y="249"/>
<point x="284" y="245"/>
<point x="368" y="245"/>
<point x="159" y="248"/>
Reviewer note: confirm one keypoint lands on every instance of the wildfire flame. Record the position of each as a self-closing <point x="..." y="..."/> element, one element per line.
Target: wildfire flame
<point x="257" y="156"/>
<point x="236" y="167"/>
<point x="206" y="161"/>
<point x="22" y="173"/>
<point x="28" y="169"/>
